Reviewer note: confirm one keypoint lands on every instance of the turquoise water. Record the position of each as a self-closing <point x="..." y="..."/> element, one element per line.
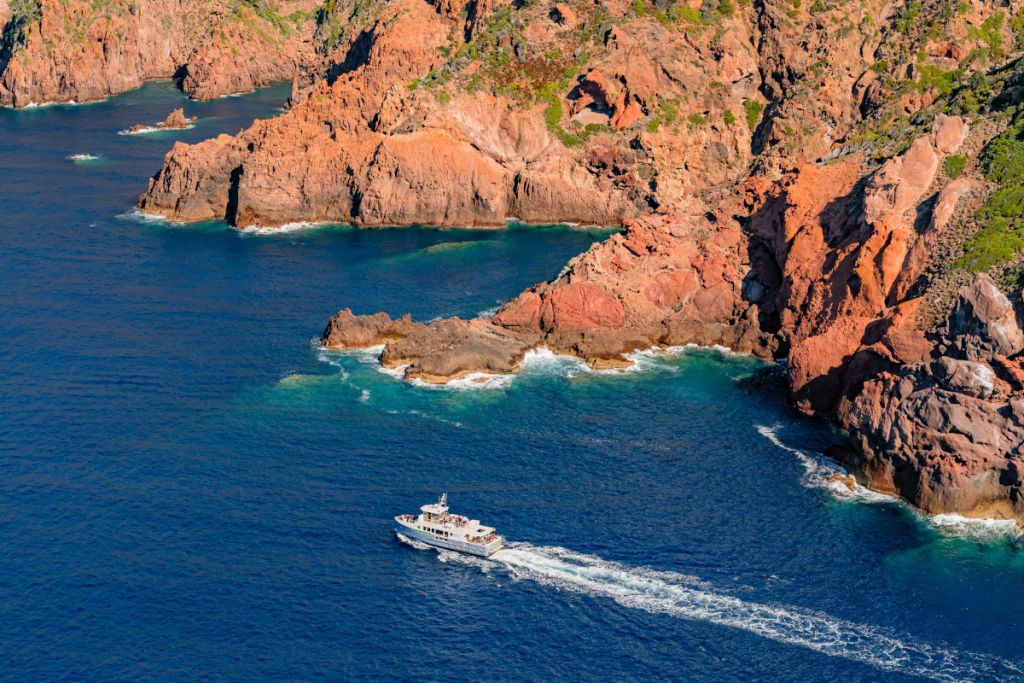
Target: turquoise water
<point x="191" y="487"/>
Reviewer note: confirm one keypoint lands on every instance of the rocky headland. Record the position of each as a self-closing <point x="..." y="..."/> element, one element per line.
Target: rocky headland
<point x="874" y="244"/>
<point x="79" y="51"/>
<point x="835" y="184"/>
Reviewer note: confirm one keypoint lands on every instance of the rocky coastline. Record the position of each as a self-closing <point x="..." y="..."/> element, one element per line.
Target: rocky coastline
<point x="77" y="51"/>
<point x="837" y="186"/>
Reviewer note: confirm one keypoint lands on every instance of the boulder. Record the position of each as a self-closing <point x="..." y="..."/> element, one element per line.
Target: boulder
<point x="345" y="330"/>
<point x="966" y="377"/>
<point x="984" y="323"/>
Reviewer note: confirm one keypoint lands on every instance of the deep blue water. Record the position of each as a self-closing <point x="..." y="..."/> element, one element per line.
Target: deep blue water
<point x="190" y="489"/>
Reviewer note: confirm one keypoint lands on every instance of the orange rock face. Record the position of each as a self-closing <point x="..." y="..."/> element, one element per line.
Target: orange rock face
<point x="753" y="228"/>
<point x="366" y="151"/>
<point x="73" y="50"/>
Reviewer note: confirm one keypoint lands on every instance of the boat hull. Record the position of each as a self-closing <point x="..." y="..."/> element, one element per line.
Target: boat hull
<point x="447" y="544"/>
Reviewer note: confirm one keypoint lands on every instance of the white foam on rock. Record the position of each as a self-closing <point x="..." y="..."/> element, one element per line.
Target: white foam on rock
<point x="972" y="527"/>
<point x="488" y="312"/>
<point x="398" y="372"/>
<point x="270" y="231"/>
<point x="687" y="597"/>
<point x="140" y="216"/>
<point x="66" y="103"/>
<point x="817" y="469"/>
<point x="472" y="381"/>
<point x="152" y="129"/>
<point x="538" y="361"/>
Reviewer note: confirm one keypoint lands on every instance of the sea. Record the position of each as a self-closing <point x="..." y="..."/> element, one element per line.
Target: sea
<point x="191" y="488"/>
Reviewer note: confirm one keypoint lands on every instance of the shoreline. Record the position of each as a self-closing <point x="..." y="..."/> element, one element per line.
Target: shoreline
<point x="1003" y="524"/>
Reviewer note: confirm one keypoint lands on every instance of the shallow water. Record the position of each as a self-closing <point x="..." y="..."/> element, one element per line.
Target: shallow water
<point x="191" y="487"/>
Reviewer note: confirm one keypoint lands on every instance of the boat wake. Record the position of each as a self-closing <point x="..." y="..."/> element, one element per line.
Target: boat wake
<point x="687" y="597"/>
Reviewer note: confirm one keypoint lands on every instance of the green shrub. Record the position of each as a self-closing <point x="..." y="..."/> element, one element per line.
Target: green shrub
<point x="954" y="165"/>
<point x="753" y="109"/>
<point x="553" y="113"/>
<point x="1000" y="235"/>
<point x="996" y="243"/>
<point x="933" y="77"/>
<point x="684" y="13"/>
<point x="730" y="118"/>
<point x="991" y="33"/>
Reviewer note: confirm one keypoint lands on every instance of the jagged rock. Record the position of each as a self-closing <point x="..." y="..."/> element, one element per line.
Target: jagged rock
<point x="564" y="15"/>
<point x="984" y="322"/>
<point x="817" y="260"/>
<point x="347" y="330"/>
<point x="845" y="479"/>
<point x="966" y="377"/>
<point x="176" y="120"/>
<point x="451" y="349"/>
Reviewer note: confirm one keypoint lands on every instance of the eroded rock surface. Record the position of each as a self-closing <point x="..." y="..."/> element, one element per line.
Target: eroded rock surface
<point x="785" y="175"/>
<point x="74" y="50"/>
<point x="176" y="120"/>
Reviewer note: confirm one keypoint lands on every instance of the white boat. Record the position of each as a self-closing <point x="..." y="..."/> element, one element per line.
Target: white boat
<point x="437" y="527"/>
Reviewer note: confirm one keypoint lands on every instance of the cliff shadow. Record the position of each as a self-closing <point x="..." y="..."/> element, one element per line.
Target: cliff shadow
<point x="231" y="209"/>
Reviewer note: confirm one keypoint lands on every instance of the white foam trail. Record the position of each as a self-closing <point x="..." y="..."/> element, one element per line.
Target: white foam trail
<point x="818" y="468"/>
<point x="686" y="597"/>
<point x="364" y="396"/>
<point x="82" y="157"/>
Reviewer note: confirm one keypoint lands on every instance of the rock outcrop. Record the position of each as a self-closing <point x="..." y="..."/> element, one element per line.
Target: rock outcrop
<point x="786" y="176"/>
<point x="73" y="50"/>
<point x="947" y="433"/>
<point x="176" y="120"/>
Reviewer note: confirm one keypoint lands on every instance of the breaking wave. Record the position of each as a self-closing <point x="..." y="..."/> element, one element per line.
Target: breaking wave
<point x="537" y="361"/>
<point x="265" y="231"/>
<point x="152" y="129"/>
<point x="140" y="216"/>
<point x="818" y="469"/>
<point x="687" y="597"/>
<point x="82" y="157"/>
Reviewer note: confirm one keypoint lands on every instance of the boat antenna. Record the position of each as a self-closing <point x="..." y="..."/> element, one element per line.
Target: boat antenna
<point x="444" y="500"/>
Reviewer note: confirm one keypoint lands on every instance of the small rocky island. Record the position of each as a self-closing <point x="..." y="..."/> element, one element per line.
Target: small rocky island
<point x="176" y="120"/>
